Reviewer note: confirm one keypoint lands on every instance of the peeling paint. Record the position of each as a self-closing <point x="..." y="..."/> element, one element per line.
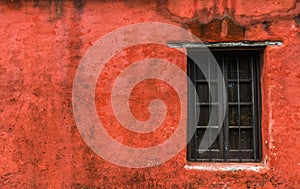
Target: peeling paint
<point x="214" y="30"/>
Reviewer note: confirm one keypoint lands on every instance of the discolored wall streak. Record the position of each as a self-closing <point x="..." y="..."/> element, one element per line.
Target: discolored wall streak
<point x="42" y="43"/>
<point x="218" y="30"/>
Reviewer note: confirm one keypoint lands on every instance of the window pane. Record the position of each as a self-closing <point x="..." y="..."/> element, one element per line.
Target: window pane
<point x="203" y="60"/>
<point x="230" y="60"/>
<point x="233" y="138"/>
<point x="204" y="115"/>
<point x="199" y="74"/>
<point x="233" y="115"/>
<point x="214" y="64"/>
<point x="200" y="134"/>
<point x="214" y="115"/>
<point x="202" y="91"/>
<point x="246" y="139"/>
<point x="192" y="147"/>
<point x="246" y="115"/>
<point x="232" y="92"/>
<point x="245" y="66"/>
<point x="213" y="90"/>
<point x="245" y="92"/>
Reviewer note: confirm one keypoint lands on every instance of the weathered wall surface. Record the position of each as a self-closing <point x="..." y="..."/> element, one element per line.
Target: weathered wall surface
<point x="42" y="43"/>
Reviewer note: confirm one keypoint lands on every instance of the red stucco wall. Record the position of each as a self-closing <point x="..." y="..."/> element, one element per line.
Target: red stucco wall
<point x="41" y="46"/>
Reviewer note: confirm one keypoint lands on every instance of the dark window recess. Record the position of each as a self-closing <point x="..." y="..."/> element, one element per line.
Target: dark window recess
<point x="239" y="137"/>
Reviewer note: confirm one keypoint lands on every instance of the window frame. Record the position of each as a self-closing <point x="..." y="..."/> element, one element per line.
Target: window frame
<point x="257" y="108"/>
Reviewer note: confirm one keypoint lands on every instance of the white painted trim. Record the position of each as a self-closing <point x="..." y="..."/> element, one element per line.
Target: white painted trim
<point x="223" y="44"/>
<point x="228" y="167"/>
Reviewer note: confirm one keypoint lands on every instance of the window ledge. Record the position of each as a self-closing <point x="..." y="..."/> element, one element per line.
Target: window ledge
<point x="224" y="44"/>
<point x="255" y="167"/>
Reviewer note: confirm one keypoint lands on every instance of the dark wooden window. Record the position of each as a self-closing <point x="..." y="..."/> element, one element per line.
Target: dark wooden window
<point x="239" y="136"/>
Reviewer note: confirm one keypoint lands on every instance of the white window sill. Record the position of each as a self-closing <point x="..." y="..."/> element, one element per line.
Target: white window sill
<point x="256" y="167"/>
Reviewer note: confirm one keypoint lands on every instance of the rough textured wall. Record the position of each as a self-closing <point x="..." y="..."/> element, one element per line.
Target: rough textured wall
<point x="42" y="42"/>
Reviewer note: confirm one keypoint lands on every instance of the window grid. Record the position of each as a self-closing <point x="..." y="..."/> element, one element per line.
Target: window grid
<point x="239" y="137"/>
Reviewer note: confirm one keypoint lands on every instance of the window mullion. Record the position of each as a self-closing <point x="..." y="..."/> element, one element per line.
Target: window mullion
<point x="209" y="103"/>
<point x="226" y="122"/>
<point x="239" y="104"/>
<point x="222" y="105"/>
<point x="253" y="108"/>
<point x="257" y="67"/>
<point x="194" y="67"/>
